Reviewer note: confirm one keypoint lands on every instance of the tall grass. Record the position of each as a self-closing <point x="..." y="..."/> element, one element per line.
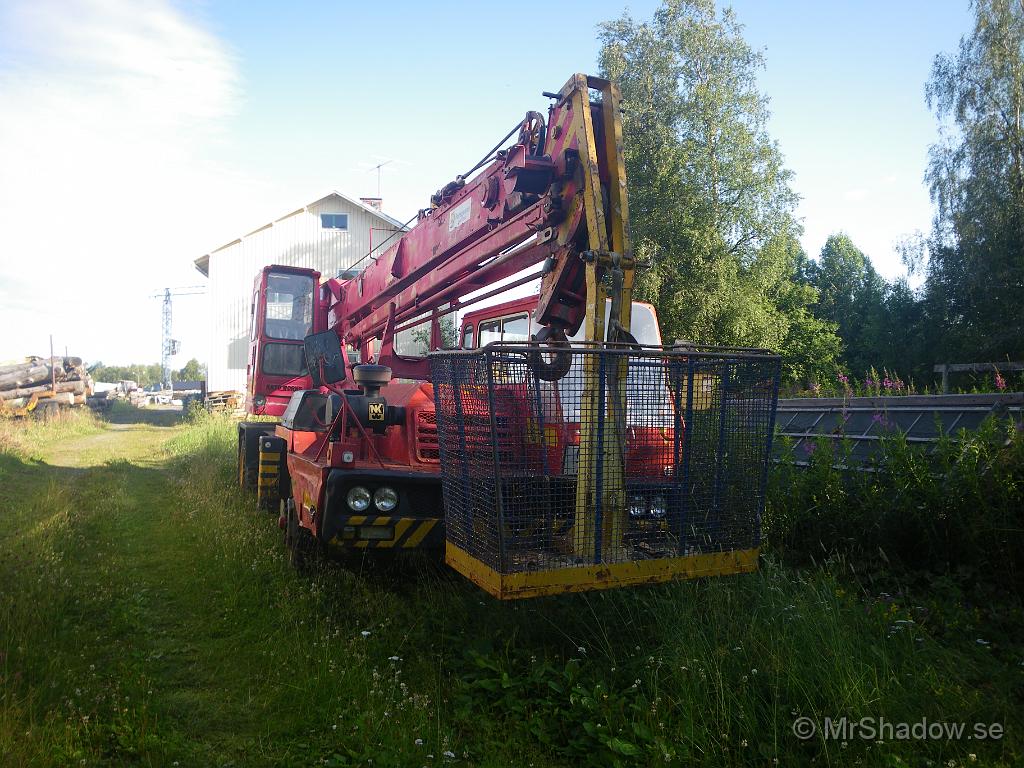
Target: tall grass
<point x="155" y="620"/>
<point x="711" y="672"/>
<point x="957" y="508"/>
<point x="25" y="436"/>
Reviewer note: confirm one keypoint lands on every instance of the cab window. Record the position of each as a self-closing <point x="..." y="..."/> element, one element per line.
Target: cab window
<point x="289" y="309"/>
<point x="467" y="337"/>
<point x="490" y="330"/>
<point x="515" y="328"/>
<point x="512" y="328"/>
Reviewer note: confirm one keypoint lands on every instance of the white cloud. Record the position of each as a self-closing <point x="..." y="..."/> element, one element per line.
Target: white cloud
<point x="111" y="111"/>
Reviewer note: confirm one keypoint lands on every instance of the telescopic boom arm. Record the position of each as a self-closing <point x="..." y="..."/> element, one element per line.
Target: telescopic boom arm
<point x="557" y="196"/>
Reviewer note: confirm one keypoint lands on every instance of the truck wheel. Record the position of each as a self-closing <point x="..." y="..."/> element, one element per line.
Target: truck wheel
<point x="297" y="539"/>
<point x="247" y="473"/>
<point x="47" y="410"/>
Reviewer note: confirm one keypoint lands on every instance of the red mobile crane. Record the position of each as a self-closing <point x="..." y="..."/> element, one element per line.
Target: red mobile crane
<point x="356" y="459"/>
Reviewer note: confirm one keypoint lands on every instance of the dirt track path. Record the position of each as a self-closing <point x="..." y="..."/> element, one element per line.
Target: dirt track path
<point x="118" y="442"/>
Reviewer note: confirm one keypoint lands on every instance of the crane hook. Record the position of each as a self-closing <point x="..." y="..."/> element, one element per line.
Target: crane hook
<point x="561" y="360"/>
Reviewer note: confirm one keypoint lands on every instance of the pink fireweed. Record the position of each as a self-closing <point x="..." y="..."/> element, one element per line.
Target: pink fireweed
<point x="1000" y="382"/>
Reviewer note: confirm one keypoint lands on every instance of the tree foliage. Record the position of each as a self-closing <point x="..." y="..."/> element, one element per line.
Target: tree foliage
<point x="144" y="374"/>
<point x="141" y="373"/>
<point x="193" y="370"/>
<point x="879" y="322"/>
<point x="710" y="201"/>
<point x="974" y="272"/>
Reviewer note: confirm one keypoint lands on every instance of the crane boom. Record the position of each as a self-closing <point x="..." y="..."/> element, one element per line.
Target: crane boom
<point x="557" y="196"/>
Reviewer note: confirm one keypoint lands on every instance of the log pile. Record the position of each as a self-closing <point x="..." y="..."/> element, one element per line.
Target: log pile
<point x="57" y="381"/>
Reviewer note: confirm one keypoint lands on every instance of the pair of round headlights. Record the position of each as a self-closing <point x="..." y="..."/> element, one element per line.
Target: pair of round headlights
<point x="385" y="499"/>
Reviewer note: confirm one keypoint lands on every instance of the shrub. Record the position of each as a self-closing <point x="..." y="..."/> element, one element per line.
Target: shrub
<point x="957" y="506"/>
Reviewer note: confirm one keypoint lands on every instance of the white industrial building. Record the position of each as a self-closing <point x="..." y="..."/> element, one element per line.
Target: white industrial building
<point x="329" y="235"/>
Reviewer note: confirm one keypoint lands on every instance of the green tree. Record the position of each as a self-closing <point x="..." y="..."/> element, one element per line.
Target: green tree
<point x="142" y="374"/>
<point x="710" y="202"/>
<point x="192" y="371"/>
<point x="974" y="270"/>
<point x="852" y="295"/>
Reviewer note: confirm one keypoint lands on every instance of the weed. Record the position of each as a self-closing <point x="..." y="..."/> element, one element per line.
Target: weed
<point x="959" y="507"/>
<point x="153" y="619"/>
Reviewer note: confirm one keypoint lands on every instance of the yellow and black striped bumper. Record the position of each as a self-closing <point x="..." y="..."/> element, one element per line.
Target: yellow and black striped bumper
<point x="387" y="532"/>
<point x="268" y="477"/>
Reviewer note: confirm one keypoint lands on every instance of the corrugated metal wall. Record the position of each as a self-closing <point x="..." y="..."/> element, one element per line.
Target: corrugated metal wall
<point x="295" y="240"/>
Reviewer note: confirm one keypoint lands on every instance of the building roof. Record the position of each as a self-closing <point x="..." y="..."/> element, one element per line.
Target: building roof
<point x="203" y="262"/>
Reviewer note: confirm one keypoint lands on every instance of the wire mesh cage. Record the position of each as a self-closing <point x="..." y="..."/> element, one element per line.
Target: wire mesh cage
<point x="639" y="464"/>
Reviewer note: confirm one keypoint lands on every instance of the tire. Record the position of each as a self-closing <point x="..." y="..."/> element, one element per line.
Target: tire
<point x="247" y="473"/>
<point x="297" y="539"/>
<point x="47" y="410"/>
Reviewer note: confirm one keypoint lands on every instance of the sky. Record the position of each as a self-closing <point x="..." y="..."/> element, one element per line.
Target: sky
<point x="136" y="136"/>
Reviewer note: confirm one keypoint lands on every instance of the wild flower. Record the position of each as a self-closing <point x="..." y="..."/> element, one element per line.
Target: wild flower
<point x="887" y="383"/>
<point x="844" y="379"/>
<point x="1000" y="382"/>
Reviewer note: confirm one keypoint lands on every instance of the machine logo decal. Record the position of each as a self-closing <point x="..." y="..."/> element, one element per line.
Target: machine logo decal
<point x="460" y="215"/>
<point x="376" y="411"/>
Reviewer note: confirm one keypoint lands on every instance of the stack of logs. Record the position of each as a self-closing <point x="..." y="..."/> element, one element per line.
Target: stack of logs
<point x="62" y="381"/>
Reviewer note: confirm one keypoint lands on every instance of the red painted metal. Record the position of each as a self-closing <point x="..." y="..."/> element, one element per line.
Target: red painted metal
<point x="523" y="208"/>
<point x="275" y="390"/>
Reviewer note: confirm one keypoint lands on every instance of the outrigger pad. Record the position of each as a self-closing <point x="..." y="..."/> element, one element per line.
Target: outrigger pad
<point x="323" y="358"/>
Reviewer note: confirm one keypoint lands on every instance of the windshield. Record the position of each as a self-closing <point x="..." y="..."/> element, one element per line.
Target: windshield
<point x="645" y="379"/>
<point x="289" y="312"/>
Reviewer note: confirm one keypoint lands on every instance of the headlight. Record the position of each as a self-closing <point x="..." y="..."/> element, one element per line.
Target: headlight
<point x="259" y="401"/>
<point x="358" y="499"/>
<point x="385" y="499"/>
<point x="637" y="507"/>
<point x="659" y="507"/>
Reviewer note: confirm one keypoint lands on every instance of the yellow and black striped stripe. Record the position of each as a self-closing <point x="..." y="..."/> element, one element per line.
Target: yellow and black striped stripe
<point x="408" y="532"/>
<point x="269" y="469"/>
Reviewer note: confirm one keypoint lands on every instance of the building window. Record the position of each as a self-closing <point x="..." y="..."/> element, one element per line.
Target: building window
<point x="334" y="220"/>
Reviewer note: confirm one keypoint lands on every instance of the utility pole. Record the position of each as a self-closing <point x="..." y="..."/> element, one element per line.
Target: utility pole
<point x="169" y="347"/>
